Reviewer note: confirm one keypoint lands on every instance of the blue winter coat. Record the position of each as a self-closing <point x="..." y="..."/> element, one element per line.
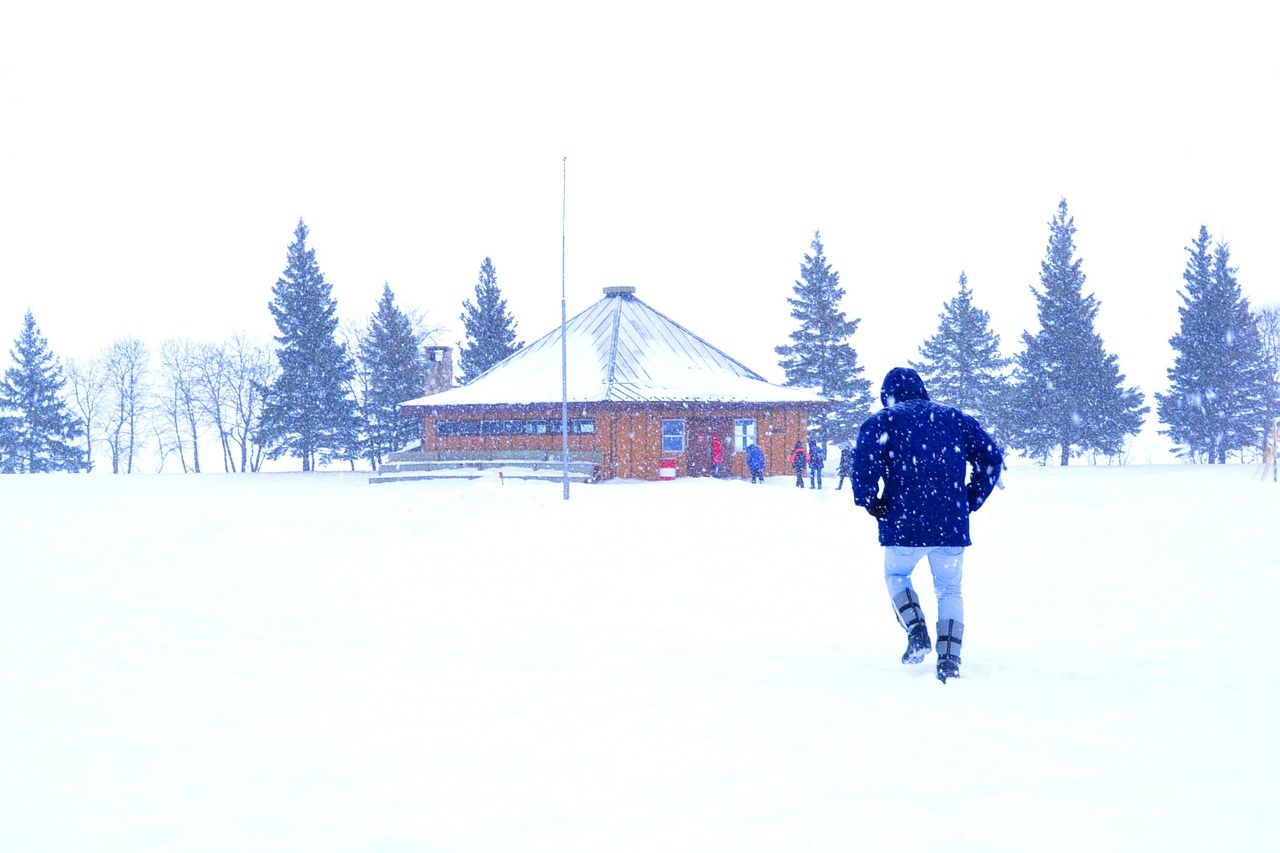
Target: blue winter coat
<point x="755" y="458"/>
<point x="817" y="456"/>
<point x="923" y="453"/>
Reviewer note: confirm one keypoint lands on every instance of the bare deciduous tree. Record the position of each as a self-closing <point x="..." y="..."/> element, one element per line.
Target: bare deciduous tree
<point x="1268" y="318"/>
<point x="423" y="329"/>
<point x="237" y="374"/>
<point x="126" y="366"/>
<point x="179" y="400"/>
<point x="87" y="378"/>
<point x="214" y="371"/>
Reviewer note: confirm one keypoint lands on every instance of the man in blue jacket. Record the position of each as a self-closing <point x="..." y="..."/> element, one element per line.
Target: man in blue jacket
<point x="937" y="465"/>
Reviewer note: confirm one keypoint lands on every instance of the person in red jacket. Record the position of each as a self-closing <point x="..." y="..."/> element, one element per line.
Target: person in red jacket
<point x="717" y="455"/>
<point x="799" y="461"/>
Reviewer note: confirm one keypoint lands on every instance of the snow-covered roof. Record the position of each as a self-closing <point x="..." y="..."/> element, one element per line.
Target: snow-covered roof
<point x="619" y="349"/>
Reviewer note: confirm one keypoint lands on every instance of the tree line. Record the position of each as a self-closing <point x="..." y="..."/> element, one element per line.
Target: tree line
<point x="324" y="392"/>
<point x="329" y="392"/>
<point x="1062" y="395"/>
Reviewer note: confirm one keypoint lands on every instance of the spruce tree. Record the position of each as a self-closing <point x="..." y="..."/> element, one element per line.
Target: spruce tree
<point x="394" y="371"/>
<point x="309" y="412"/>
<point x="820" y="355"/>
<point x="962" y="364"/>
<point x="39" y="431"/>
<point x="1218" y="386"/>
<point x="1068" y="393"/>
<point x="8" y="442"/>
<point x="491" y="330"/>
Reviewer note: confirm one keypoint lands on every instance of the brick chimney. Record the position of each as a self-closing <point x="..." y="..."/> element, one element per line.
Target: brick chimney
<point x="439" y="369"/>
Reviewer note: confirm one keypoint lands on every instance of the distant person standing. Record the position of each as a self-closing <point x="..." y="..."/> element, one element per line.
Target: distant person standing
<point x="922" y="453"/>
<point x="845" y="466"/>
<point x="817" y="461"/>
<point x="717" y="455"/>
<point x="755" y="463"/>
<point x="799" y="461"/>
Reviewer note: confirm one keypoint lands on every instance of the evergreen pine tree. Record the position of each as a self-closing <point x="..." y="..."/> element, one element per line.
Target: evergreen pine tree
<point x="394" y="372"/>
<point x="1217" y="400"/>
<point x="39" y="431"/>
<point x="962" y="364"/>
<point x="8" y="442"/>
<point x="820" y="355"/>
<point x="491" y="330"/>
<point x="1246" y="395"/>
<point x="1068" y="391"/>
<point x="309" y="412"/>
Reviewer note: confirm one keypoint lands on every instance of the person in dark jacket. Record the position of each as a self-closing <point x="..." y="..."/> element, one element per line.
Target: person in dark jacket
<point x="1004" y="466"/>
<point x="817" y="461"/>
<point x="755" y="462"/>
<point x="921" y="468"/>
<point x="845" y="467"/>
<point x="799" y="461"/>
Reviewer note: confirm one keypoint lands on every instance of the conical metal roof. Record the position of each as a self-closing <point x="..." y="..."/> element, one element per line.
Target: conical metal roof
<point x="619" y="349"/>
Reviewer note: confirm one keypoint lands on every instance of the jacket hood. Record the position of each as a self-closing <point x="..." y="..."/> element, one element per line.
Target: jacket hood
<point x="900" y="385"/>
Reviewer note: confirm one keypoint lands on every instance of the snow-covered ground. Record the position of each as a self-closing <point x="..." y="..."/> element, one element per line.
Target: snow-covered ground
<point x="292" y="662"/>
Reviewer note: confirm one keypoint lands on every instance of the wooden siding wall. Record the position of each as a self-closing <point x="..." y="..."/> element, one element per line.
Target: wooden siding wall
<point x="630" y="438"/>
<point x="776" y="433"/>
<point x="549" y="443"/>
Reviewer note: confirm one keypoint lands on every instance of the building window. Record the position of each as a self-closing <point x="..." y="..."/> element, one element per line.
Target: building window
<point x="673" y="436"/>
<point x="539" y="426"/>
<point x="577" y="426"/>
<point x="744" y="433"/>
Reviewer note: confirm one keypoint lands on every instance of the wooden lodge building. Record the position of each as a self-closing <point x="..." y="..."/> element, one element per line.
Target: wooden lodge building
<point x="645" y="397"/>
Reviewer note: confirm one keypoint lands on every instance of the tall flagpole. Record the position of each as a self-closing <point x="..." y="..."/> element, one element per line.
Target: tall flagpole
<point x="564" y="343"/>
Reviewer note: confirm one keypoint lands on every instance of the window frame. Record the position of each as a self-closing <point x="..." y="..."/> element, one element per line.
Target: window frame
<point x="670" y="439"/>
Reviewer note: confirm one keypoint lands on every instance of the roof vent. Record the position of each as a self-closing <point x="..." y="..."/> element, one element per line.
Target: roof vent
<point x="619" y="290"/>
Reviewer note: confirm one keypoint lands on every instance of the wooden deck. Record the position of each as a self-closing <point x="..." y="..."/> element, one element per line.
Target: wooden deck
<point x="473" y="464"/>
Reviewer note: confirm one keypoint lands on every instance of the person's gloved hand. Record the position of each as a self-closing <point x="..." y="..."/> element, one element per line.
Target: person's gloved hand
<point x="878" y="508"/>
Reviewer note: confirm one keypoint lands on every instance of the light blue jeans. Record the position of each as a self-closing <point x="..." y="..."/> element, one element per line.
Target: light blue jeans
<point x="947" y="565"/>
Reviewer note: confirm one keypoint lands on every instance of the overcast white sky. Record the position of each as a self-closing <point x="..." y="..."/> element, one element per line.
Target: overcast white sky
<point x="155" y="159"/>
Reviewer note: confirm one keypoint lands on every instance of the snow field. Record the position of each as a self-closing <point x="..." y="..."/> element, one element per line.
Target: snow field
<point x="307" y="662"/>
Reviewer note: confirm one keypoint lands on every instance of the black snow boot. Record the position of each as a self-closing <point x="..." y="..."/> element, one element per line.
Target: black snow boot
<point x="907" y="605"/>
<point x="950" y="636"/>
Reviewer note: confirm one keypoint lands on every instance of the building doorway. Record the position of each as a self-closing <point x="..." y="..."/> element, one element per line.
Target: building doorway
<point x="698" y="448"/>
